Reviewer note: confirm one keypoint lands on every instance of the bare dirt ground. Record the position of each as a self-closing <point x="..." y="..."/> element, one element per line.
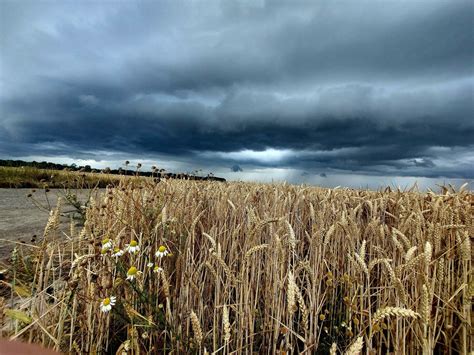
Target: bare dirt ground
<point x="20" y="219"/>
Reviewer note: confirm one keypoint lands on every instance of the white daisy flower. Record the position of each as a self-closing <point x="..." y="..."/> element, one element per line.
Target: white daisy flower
<point x="157" y="269"/>
<point x="106" y="244"/>
<point x="133" y="247"/>
<point x="107" y="303"/>
<point x="149" y="265"/>
<point x="162" y="251"/>
<point x="117" y="252"/>
<point x="132" y="273"/>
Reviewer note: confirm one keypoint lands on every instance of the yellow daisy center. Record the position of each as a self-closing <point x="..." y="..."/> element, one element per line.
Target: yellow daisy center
<point x="105" y="241"/>
<point x="133" y="243"/>
<point x="162" y="249"/>
<point x="116" y="250"/>
<point x="132" y="271"/>
<point x="103" y="251"/>
<point x="106" y="301"/>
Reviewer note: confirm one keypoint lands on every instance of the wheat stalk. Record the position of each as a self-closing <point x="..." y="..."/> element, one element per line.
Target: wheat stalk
<point x="226" y="323"/>
<point x="196" y="325"/>
<point x="410" y="253"/>
<point x="385" y="312"/>
<point x="291" y="293"/>
<point x="255" y="249"/>
<point x="356" y="347"/>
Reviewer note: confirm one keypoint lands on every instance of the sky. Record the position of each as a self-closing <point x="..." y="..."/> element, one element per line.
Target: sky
<point x="352" y="93"/>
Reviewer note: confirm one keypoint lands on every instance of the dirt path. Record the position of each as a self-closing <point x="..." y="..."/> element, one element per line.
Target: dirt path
<point x="20" y="219"/>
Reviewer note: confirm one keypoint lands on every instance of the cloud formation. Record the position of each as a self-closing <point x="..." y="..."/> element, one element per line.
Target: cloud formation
<point x="372" y="88"/>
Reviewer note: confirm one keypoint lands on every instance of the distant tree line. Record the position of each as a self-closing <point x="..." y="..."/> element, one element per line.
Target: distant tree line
<point x="157" y="173"/>
<point x="34" y="164"/>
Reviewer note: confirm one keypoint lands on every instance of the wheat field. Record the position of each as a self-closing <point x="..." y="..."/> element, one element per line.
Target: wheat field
<point x="30" y="177"/>
<point x="206" y="267"/>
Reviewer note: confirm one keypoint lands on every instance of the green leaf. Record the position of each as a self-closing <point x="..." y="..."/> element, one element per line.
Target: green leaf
<point x="18" y="315"/>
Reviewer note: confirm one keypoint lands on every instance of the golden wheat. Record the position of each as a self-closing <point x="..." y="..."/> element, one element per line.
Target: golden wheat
<point x="190" y="267"/>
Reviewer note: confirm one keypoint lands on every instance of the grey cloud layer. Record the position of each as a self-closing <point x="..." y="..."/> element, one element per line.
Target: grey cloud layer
<point x="377" y="88"/>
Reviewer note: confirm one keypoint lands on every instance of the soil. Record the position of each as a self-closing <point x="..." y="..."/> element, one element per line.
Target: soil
<point x="21" y="219"/>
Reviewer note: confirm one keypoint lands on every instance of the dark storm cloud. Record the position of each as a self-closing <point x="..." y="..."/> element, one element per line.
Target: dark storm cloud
<point x="424" y="162"/>
<point x="376" y="88"/>
<point x="236" y="168"/>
